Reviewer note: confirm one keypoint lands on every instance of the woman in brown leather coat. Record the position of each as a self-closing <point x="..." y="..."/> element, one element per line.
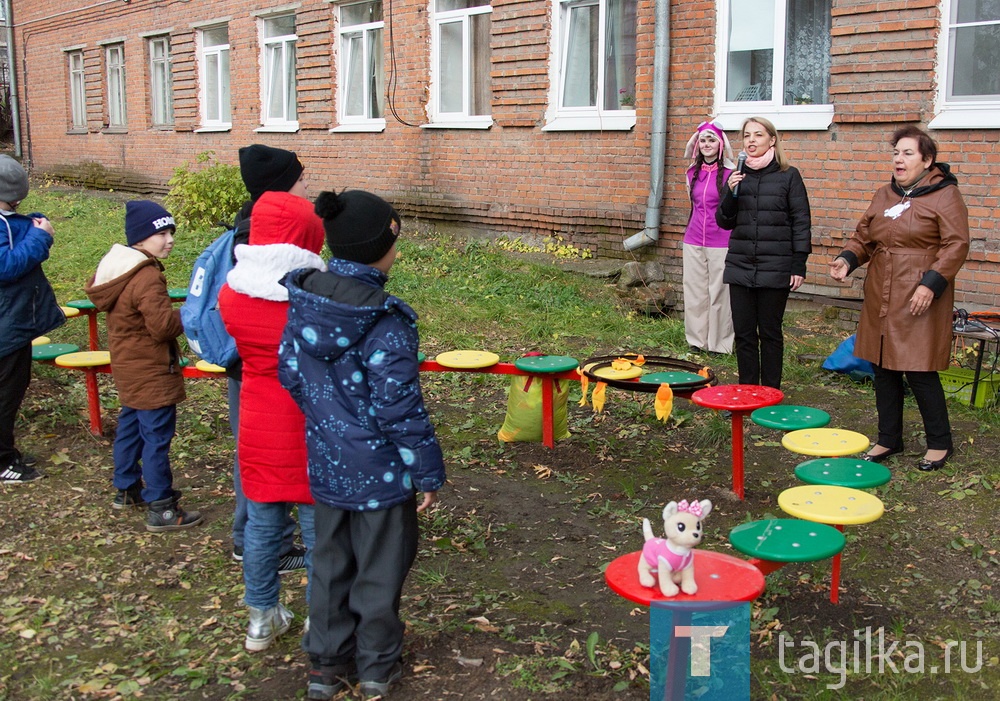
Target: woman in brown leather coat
<point x="914" y="237"/>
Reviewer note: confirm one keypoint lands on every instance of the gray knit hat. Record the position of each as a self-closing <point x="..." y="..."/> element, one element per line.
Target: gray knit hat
<point x="13" y="181"/>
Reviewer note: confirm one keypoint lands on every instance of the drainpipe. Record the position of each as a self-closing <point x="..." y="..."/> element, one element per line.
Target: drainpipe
<point x="658" y="140"/>
<point x="15" y="112"/>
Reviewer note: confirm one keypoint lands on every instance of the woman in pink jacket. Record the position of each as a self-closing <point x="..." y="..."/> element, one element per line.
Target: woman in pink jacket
<point x="708" y="321"/>
<point x="285" y="235"/>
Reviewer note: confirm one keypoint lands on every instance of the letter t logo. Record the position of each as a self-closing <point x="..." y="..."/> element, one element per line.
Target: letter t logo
<point x="701" y="646"/>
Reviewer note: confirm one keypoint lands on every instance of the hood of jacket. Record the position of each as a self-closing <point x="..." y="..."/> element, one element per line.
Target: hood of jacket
<point x="114" y="272"/>
<point x="334" y="309"/>
<point x="259" y="269"/>
<point x="938" y="176"/>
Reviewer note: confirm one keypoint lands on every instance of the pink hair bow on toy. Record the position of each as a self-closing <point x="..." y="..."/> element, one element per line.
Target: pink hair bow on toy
<point x="694" y="508"/>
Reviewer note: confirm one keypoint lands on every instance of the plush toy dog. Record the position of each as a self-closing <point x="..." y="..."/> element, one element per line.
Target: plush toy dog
<point x="670" y="561"/>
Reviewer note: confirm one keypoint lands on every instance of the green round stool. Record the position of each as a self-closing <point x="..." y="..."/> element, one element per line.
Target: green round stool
<point x="81" y="304"/>
<point x="546" y="363"/>
<point x="787" y="540"/>
<point x="843" y="472"/>
<point x="51" y="351"/>
<point x="178" y="294"/>
<point x="789" y="417"/>
<point x="671" y="377"/>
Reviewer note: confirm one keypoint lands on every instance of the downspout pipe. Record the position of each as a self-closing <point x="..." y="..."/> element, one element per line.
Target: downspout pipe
<point x="15" y="112"/>
<point x="658" y="139"/>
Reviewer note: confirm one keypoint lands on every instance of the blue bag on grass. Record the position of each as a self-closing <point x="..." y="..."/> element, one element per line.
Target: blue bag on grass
<point x="843" y="360"/>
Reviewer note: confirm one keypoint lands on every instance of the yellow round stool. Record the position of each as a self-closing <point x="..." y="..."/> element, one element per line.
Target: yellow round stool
<point x="825" y="442"/>
<point x="91" y="362"/>
<point x="467" y="359"/>
<point x="40" y="341"/>
<point x="206" y="366"/>
<point x="837" y="506"/>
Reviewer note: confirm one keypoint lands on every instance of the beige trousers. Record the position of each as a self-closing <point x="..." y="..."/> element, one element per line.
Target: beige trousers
<point x="708" y="321"/>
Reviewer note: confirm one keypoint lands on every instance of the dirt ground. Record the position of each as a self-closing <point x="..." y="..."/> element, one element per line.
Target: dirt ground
<point x="507" y="594"/>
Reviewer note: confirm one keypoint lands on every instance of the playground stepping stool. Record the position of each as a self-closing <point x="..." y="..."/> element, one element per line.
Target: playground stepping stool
<point x="843" y="472"/>
<point x="790" y="417"/>
<point x="773" y="543"/>
<point x="825" y="442"/>
<point x="87" y="308"/>
<point x="833" y="505"/>
<point x="91" y="363"/>
<point x="47" y="352"/>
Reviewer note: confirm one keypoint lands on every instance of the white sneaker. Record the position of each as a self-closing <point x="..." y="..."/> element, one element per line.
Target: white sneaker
<point x="266" y="625"/>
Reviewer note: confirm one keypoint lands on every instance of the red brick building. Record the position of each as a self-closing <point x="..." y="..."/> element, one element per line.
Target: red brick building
<point x="520" y="116"/>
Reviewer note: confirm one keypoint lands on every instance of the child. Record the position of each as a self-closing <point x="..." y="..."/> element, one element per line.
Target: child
<point x="142" y="327"/>
<point x="349" y="358"/>
<point x="285" y="234"/>
<point x="28" y="309"/>
<point x="708" y="321"/>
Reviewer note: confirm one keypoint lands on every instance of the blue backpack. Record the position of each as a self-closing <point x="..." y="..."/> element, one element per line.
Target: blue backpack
<point x="206" y="334"/>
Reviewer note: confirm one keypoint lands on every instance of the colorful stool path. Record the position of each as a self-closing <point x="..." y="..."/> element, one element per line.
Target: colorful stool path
<point x="790" y="417"/>
<point x="838" y="506"/>
<point x="91" y="363"/>
<point x="740" y="400"/>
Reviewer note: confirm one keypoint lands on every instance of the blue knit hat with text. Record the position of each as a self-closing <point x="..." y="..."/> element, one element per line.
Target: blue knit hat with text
<point x="144" y="218"/>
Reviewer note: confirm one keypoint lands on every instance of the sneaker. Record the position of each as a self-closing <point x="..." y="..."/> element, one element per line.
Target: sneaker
<point x="238" y="553"/>
<point x="380" y="690"/>
<point x="327" y="681"/>
<point x="266" y="625"/>
<point x="18" y="473"/>
<point x="28" y="459"/>
<point x="167" y="515"/>
<point x="130" y="497"/>
<point x="294" y="559"/>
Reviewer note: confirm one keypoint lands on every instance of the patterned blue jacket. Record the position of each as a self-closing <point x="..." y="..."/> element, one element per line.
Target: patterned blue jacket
<point x="348" y="357"/>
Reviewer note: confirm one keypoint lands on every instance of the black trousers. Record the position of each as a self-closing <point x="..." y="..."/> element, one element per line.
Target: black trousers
<point x="927" y="390"/>
<point x="15" y="376"/>
<point x="360" y="561"/>
<point x="760" y="344"/>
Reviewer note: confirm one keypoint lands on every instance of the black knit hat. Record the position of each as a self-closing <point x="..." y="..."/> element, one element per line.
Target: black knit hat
<point x="359" y="226"/>
<point x="144" y="218"/>
<point x="266" y="168"/>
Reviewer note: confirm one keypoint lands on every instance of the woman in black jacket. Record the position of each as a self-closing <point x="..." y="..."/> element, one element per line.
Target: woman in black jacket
<point x="766" y="207"/>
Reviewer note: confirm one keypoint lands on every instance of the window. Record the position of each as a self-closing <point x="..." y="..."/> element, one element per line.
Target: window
<point x="595" y="60"/>
<point x="214" y="88"/>
<point x="77" y="91"/>
<point x="161" y="82"/>
<point x="362" y="79"/>
<point x="775" y="61"/>
<point x="115" y="58"/>
<point x="278" y="59"/>
<point x="969" y="67"/>
<point x="461" y="90"/>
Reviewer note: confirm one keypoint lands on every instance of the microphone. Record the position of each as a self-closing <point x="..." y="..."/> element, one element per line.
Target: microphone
<point x="740" y="161"/>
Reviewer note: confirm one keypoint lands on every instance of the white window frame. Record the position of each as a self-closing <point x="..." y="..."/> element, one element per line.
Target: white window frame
<point x="114" y="57"/>
<point x="959" y="114"/>
<point x="161" y="82"/>
<point x="785" y="117"/>
<point x="455" y="120"/>
<point x="77" y="89"/>
<point x="214" y="64"/>
<point x="590" y="118"/>
<point x="284" y="48"/>
<point x="366" y="122"/>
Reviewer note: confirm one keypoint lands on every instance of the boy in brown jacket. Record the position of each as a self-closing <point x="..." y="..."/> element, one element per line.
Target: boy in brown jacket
<point x="142" y="329"/>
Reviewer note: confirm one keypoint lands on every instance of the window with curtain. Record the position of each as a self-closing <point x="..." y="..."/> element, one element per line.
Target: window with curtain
<point x="596" y="57"/>
<point x="115" y="60"/>
<point x="278" y="59"/>
<point x="461" y="88"/>
<point x="161" y="82"/>
<point x="214" y="67"/>
<point x="777" y="51"/>
<point x="77" y="91"/>
<point x="362" y="78"/>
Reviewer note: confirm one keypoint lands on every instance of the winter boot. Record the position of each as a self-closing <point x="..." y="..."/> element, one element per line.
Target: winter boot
<point x="129" y="497"/>
<point x="266" y="625"/>
<point x="166" y="515"/>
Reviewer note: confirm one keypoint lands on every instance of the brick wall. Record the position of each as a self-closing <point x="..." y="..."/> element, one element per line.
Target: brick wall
<point x="588" y="187"/>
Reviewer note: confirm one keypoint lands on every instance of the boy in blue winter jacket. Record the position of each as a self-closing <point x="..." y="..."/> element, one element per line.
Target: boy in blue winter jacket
<point x="28" y="309"/>
<point x="349" y="359"/>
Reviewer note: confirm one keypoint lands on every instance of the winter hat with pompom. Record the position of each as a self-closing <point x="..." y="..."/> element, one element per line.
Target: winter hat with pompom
<point x="359" y="226"/>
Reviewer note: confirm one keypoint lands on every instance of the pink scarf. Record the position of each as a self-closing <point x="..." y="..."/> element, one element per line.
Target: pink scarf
<point x="761" y="161"/>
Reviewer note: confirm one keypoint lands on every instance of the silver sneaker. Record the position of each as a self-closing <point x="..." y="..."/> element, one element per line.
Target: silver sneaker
<point x="266" y="625"/>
